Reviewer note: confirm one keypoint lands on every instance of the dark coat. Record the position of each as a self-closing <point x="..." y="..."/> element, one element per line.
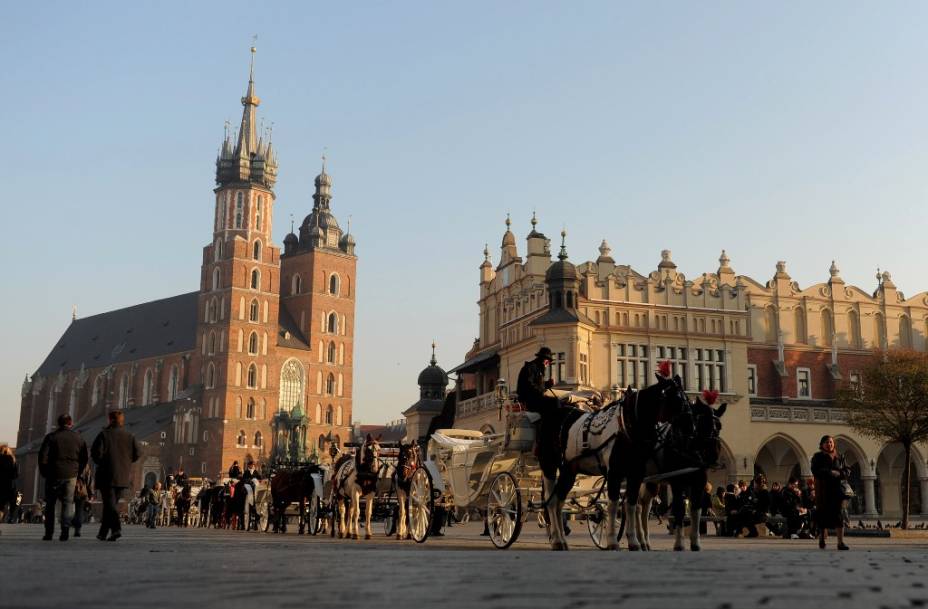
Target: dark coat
<point x="531" y="388"/>
<point x="114" y="451"/>
<point x="9" y="472"/>
<point x="829" y="497"/>
<point x="63" y="455"/>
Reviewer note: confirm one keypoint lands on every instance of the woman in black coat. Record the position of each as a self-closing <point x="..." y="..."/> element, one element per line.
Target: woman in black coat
<point x="829" y="470"/>
<point x="9" y="472"/>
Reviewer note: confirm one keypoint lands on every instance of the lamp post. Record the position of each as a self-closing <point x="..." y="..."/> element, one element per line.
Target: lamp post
<point x="501" y="394"/>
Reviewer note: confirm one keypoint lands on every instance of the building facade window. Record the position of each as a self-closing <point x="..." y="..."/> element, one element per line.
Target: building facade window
<point x="585" y="367"/>
<point x="710" y="369"/>
<point x="328" y="415"/>
<point x="853" y="379"/>
<point x="803" y="383"/>
<point x="259" y="440"/>
<point x="123" y="391"/>
<point x="173" y="381"/>
<point x="250" y="409"/>
<point x="258" y="213"/>
<point x="677" y="358"/>
<point x="827" y="327"/>
<point x="557" y="370"/>
<point x="801" y="333"/>
<point x="332" y="325"/>
<point x="853" y="326"/>
<point x="752" y="380"/>
<point x="256" y="250"/>
<point x="216" y="284"/>
<point x="331" y="354"/>
<point x="333" y="284"/>
<point x="296" y="284"/>
<point x="242" y="439"/>
<point x="632" y="365"/>
<point x="253" y="311"/>
<point x="255" y="279"/>
<point x="210" y="376"/>
<point x="330" y="384"/>
<point x="239" y="209"/>
<point x="148" y="388"/>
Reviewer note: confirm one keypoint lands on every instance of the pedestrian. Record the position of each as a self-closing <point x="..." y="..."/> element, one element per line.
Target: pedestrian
<point x="830" y="471"/>
<point x="152" y="497"/>
<point x="9" y="472"/>
<point x="235" y="472"/>
<point x="62" y="457"/>
<point x="83" y="491"/>
<point x="181" y="478"/>
<point x="114" y="451"/>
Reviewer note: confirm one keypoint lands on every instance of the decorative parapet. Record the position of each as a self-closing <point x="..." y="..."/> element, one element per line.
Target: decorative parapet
<point x="799" y="414"/>
<point x="476" y="405"/>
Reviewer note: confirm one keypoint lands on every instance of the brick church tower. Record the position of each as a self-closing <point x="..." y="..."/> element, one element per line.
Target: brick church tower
<point x="239" y="294"/>
<point x="318" y="291"/>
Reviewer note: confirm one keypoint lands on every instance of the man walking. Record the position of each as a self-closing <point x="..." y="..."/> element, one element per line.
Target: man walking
<point x="114" y="451"/>
<point x="62" y="456"/>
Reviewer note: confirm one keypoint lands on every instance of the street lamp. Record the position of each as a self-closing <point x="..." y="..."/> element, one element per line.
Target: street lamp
<point x="501" y="394"/>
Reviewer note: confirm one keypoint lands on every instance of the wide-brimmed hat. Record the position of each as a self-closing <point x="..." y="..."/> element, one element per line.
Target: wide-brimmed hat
<point x="545" y="353"/>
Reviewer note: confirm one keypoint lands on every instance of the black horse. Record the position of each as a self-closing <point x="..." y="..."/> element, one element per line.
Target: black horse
<point x="617" y="442"/>
<point x="691" y="447"/>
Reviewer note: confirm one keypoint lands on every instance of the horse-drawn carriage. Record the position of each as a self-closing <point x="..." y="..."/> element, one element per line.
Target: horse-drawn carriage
<point x="499" y="475"/>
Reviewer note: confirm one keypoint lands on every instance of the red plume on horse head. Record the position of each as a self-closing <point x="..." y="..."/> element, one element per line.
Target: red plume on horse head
<point x="664" y="369"/>
<point x="709" y="396"/>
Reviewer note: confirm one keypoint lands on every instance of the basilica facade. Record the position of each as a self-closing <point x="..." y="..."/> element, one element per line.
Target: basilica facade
<point x="256" y="364"/>
<point x="775" y="351"/>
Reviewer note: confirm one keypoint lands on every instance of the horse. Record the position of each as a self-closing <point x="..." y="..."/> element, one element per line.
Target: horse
<point x="355" y="478"/>
<point x="291" y="486"/>
<point x="615" y="442"/>
<point x="407" y="462"/>
<point x="694" y="454"/>
<point x="167" y="507"/>
<point x="182" y="502"/>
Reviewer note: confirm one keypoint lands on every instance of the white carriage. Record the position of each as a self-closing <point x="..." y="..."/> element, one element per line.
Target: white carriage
<point x="499" y="476"/>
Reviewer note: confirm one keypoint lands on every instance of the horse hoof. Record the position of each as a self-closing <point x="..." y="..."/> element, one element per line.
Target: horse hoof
<point x="612" y="547"/>
<point x="678" y="548"/>
<point x="367" y="536"/>
<point x="399" y="538"/>
<point x="354" y="536"/>
<point x="634" y="548"/>
<point x="559" y="547"/>
<point x="695" y="547"/>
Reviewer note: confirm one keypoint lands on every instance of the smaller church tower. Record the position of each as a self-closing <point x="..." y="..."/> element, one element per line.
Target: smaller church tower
<point x="433" y="385"/>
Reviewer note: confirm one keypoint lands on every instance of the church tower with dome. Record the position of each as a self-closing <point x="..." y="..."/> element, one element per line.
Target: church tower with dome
<point x="318" y="294"/>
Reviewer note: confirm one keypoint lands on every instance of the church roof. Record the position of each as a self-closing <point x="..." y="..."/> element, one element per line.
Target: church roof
<point x="141" y="331"/>
<point x="287" y="325"/>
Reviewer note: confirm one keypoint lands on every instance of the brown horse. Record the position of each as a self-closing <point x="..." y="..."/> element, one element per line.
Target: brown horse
<point x="293" y="486"/>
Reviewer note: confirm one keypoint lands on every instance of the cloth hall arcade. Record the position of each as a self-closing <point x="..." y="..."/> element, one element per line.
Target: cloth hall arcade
<point x="776" y="351"/>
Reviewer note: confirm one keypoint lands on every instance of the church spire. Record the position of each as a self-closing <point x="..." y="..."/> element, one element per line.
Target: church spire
<point x="247" y="133"/>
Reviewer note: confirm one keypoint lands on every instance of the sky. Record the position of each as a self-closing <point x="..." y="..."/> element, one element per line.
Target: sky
<point x="777" y="131"/>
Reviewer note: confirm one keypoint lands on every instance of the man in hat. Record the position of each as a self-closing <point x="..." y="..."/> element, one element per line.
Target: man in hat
<point x="532" y="384"/>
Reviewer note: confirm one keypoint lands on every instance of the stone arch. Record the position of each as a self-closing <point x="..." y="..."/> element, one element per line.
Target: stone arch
<point x="781" y="456"/>
<point x="728" y="472"/>
<point x="890" y="470"/>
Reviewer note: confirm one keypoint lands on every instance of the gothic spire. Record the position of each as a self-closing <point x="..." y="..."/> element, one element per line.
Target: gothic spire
<point x="247" y="137"/>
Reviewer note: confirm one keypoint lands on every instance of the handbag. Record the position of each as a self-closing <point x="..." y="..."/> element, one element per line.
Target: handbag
<point x="846" y="490"/>
<point x="80" y="490"/>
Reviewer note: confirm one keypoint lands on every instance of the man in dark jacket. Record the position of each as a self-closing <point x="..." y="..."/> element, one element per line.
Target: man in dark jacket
<point x="114" y="451"/>
<point x="235" y="472"/>
<point x="62" y="456"/>
<point x="532" y="385"/>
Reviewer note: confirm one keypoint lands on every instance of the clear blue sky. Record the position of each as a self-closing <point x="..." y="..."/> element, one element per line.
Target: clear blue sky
<point x="792" y="131"/>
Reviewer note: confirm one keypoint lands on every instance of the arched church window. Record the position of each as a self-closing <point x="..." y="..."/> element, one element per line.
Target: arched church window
<point x="328" y="415"/>
<point x="333" y="323"/>
<point x="333" y="284"/>
<point x="258" y="213"/>
<point x="210" y="376"/>
<point x="853" y="326"/>
<point x="253" y="343"/>
<point x="330" y="384"/>
<point x="296" y="285"/>
<point x="255" y="279"/>
<point x="216" y="278"/>
<point x="173" y="380"/>
<point x="259" y="441"/>
<point x="801" y="334"/>
<point x="252" y="376"/>
<point x="239" y="209"/>
<point x="253" y="310"/>
<point x="242" y="438"/>
<point x="291" y="385"/>
<point x="250" y="409"/>
<point x="331" y="358"/>
<point x="256" y="253"/>
<point x="827" y="330"/>
<point x="148" y="388"/>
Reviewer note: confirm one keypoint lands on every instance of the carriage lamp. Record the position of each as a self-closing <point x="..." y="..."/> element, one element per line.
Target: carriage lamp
<point x="501" y="392"/>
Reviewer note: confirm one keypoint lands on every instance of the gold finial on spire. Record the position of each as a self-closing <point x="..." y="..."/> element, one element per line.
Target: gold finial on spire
<point x="433" y="361"/>
<point x="291" y="223"/>
<point x="254" y="49"/>
<point x="508" y="221"/>
<point x="324" y="158"/>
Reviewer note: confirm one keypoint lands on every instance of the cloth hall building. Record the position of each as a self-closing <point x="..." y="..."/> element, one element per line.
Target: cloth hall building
<point x="777" y="352"/>
<point x="254" y="364"/>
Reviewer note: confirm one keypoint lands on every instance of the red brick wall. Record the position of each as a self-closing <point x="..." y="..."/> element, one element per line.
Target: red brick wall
<point x="771" y="384"/>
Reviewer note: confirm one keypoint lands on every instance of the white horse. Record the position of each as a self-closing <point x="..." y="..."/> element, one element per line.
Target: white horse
<point x="356" y="479"/>
<point x="167" y="507"/>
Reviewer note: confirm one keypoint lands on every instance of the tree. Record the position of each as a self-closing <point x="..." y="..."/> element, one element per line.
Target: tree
<point x="891" y="404"/>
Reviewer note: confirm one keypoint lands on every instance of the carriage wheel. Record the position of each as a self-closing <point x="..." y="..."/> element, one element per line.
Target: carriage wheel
<point x="504" y="510"/>
<point x="389" y="520"/>
<point x="313" y="520"/>
<point x="421" y="505"/>
<point x="597" y="524"/>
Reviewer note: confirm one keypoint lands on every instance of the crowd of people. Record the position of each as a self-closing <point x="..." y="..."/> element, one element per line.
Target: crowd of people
<point x="800" y="509"/>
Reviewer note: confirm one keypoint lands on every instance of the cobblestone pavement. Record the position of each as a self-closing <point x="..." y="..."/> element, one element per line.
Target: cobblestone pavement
<point x="208" y="568"/>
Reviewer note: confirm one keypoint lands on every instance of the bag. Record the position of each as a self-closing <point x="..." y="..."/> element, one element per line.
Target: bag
<point x="846" y="490"/>
<point x="81" y="492"/>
